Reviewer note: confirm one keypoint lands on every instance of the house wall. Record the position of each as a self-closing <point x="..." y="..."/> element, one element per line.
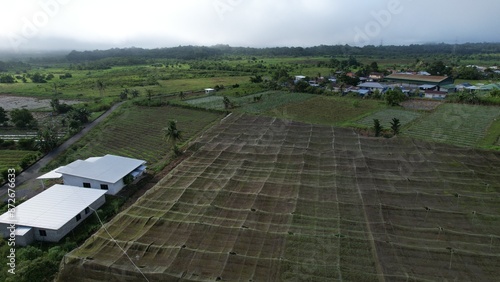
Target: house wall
<point x="24" y="240"/>
<point x="57" y="235"/>
<point x="52" y="235"/>
<point x="113" y="188"/>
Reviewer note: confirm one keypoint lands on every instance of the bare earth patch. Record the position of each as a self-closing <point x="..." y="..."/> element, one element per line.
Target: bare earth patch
<point x="10" y="103"/>
<point x="421" y="105"/>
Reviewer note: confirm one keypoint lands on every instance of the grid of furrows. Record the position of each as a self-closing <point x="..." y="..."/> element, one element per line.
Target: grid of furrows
<point x="267" y="199"/>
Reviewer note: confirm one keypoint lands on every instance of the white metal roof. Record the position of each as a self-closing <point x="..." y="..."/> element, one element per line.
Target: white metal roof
<point x="54" y="207"/>
<point x="109" y="169"/>
<point x="372" y="85"/>
<point x="51" y="174"/>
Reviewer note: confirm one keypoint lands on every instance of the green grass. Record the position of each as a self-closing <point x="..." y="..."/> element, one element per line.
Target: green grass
<point x="385" y="116"/>
<point x="492" y="137"/>
<point x="458" y="124"/>
<point x="270" y="100"/>
<point x="12" y="158"/>
<point x="137" y="132"/>
<point x="327" y="110"/>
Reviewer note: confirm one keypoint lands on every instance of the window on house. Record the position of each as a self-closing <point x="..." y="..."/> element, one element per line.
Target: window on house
<point x="42" y="232"/>
<point x="86" y="185"/>
<point x="87" y="210"/>
<point x="104" y="186"/>
<point x="78" y="217"/>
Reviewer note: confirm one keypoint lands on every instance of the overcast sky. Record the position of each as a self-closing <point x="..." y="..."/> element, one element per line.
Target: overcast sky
<point x="100" y="24"/>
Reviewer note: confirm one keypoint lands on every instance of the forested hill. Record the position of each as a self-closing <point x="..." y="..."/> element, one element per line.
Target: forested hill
<point x="203" y="52"/>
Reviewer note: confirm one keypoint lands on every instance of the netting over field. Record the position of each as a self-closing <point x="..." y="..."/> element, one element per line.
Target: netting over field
<point x="265" y="199"/>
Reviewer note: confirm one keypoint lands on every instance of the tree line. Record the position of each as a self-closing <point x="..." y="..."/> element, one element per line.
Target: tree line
<point x="204" y="52"/>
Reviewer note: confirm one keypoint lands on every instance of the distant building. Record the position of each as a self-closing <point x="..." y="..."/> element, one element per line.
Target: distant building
<point x="412" y="79"/>
<point x="52" y="214"/>
<point x="373" y="86"/>
<point x="299" y="78"/>
<point x="438" y="95"/>
<point x="376" y="76"/>
<point x="105" y="173"/>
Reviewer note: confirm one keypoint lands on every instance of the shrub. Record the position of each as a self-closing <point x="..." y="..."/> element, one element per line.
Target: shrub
<point x="377" y="127"/>
<point x="26" y="144"/>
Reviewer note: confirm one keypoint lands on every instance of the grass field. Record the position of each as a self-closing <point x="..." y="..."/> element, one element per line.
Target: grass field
<point x="266" y="199"/>
<point x="12" y="158"/>
<point x="136" y="132"/>
<point x="463" y="125"/>
<point x="385" y="116"/>
<point x="270" y="100"/>
<point x="327" y="110"/>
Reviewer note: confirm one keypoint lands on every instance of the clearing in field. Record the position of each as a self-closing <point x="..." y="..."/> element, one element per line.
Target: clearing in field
<point x="327" y="110"/>
<point x="458" y="124"/>
<point x="137" y="132"/>
<point x="268" y="100"/>
<point x="386" y="116"/>
<point x="262" y="199"/>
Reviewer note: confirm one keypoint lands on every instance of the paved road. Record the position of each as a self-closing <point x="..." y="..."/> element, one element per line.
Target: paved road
<point x="34" y="171"/>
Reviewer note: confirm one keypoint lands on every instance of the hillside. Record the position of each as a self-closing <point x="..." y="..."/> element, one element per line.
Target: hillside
<point x="268" y="199"/>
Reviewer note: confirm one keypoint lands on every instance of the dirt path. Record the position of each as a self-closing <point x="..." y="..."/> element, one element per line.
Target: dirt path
<point x="33" y="171"/>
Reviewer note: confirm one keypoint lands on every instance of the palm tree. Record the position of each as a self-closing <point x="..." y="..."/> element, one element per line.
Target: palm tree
<point x="172" y="134"/>
<point x="100" y="86"/>
<point x="135" y="93"/>
<point x="149" y="92"/>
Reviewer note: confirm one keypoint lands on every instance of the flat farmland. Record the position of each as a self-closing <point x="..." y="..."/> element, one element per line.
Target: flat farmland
<point x="385" y="116"/>
<point x="458" y="124"/>
<point x="12" y="158"/>
<point x="327" y="110"/>
<point x="137" y="132"/>
<point x="265" y="199"/>
<point x="269" y="100"/>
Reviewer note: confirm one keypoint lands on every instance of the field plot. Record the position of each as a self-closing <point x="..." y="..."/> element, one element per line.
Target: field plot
<point x="269" y="100"/>
<point x="386" y="116"/>
<point x="12" y="158"/>
<point x="327" y="110"/>
<point x="136" y="132"/>
<point x="264" y="199"/>
<point x="458" y="124"/>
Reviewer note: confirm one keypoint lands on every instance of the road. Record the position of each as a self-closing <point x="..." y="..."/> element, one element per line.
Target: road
<point x="33" y="171"/>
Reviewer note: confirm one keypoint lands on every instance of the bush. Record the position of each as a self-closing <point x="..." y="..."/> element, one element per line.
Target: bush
<point x="394" y="97"/>
<point x="7" y="144"/>
<point x="377" y="127"/>
<point x="26" y="144"/>
<point x="22" y="118"/>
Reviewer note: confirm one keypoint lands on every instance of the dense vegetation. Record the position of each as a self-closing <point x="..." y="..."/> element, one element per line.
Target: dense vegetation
<point x="202" y="52"/>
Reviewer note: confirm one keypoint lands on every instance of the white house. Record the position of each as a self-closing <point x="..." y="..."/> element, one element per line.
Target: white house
<point x="209" y="91"/>
<point x="106" y="173"/>
<point x="431" y="94"/>
<point x="299" y="78"/>
<point x="50" y="215"/>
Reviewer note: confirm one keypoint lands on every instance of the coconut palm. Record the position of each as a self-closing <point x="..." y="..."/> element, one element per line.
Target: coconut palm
<point x="100" y="86"/>
<point x="172" y="134"/>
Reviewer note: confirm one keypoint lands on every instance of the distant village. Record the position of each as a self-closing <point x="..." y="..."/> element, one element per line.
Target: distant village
<point x="413" y="84"/>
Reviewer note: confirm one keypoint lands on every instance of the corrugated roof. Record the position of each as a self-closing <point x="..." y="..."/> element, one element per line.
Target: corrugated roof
<point x="51" y="174"/>
<point x="54" y="207"/>
<point x="372" y="85"/>
<point x="414" y="77"/>
<point x="107" y="169"/>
